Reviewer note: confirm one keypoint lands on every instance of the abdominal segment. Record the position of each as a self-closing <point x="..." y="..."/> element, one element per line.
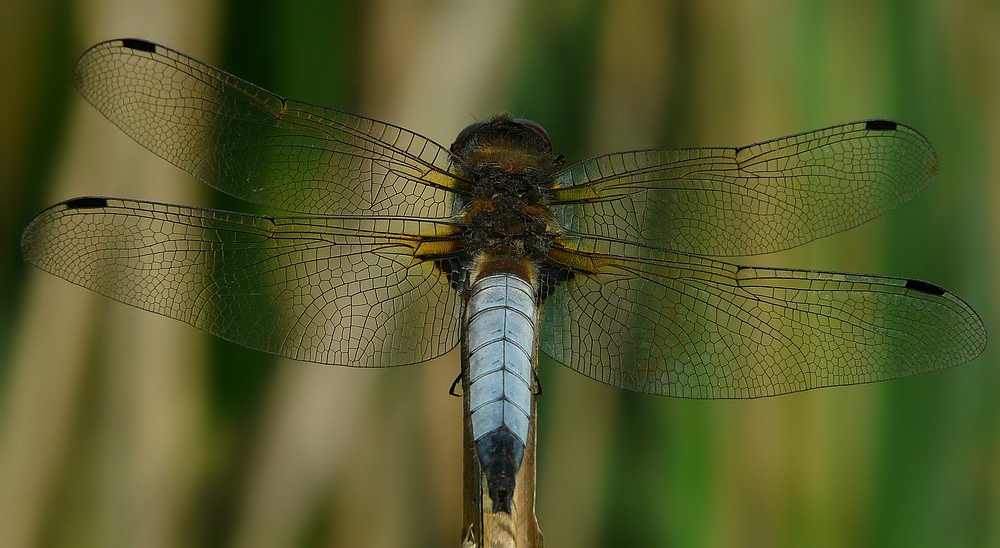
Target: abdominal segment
<point x="501" y="333"/>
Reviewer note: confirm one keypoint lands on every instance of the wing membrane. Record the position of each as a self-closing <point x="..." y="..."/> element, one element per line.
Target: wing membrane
<point x="345" y="291"/>
<point x="680" y="325"/>
<point x="751" y="200"/>
<point x="248" y="142"/>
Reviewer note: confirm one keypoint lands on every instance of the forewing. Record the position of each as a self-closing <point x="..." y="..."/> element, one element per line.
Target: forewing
<point x="255" y="145"/>
<point x="344" y="291"/>
<point x="681" y="325"/>
<point x="751" y="200"/>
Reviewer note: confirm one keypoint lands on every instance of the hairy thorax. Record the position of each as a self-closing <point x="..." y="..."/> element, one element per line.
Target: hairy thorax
<point x="509" y="163"/>
<point x="507" y="217"/>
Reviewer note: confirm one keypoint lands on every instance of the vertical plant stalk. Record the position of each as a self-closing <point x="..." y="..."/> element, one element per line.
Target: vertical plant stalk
<point x="481" y="527"/>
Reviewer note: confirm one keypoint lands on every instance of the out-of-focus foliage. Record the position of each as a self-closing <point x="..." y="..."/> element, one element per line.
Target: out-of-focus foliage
<point x="119" y="428"/>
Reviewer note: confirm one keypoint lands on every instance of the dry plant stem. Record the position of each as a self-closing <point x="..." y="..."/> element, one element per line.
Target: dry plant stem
<point x="481" y="527"/>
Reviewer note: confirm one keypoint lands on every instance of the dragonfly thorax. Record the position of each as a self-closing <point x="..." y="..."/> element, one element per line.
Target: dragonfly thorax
<point x="509" y="163"/>
<point x="508" y="219"/>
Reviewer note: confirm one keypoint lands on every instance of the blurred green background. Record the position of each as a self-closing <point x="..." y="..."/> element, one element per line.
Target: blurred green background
<point x="121" y="428"/>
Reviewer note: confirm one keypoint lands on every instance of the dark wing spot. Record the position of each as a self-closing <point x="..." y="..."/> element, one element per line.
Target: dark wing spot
<point x="86" y="203"/>
<point x="140" y="45"/>
<point x="881" y="125"/>
<point x="453" y="269"/>
<point x="925" y="287"/>
<point x="550" y="276"/>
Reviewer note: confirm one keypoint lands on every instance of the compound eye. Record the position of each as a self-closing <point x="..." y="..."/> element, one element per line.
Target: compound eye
<point x="536" y="128"/>
<point x="465" y="134"/>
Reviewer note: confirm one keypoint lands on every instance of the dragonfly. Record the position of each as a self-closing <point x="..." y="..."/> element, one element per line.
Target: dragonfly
<point x="396" y="250"/>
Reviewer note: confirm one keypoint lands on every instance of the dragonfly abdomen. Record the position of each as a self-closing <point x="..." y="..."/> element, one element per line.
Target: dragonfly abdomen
<point x="501" y="332"/>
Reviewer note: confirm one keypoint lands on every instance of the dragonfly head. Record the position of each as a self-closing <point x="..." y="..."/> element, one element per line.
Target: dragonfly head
<point x="514" y="145"/>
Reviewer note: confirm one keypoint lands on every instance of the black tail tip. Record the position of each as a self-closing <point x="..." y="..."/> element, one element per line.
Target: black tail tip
<point x="501" y="490"/>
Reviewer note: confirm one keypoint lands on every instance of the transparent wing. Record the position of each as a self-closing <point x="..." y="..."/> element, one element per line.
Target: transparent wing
<point x="746" y="201"/>
<point x="345" y="291"/>
<point x="680" y="325"/>
<point x="252" y="144"/>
